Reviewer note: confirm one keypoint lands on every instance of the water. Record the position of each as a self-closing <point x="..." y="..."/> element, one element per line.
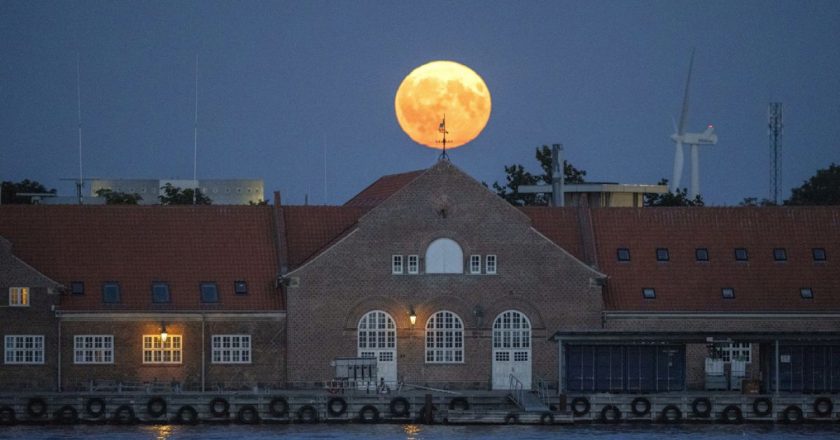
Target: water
<point x="421" y="432"/>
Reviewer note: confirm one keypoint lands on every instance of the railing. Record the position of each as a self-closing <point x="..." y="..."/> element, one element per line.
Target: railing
<point x="542" y="390"/>
<point x="517" y="392"/>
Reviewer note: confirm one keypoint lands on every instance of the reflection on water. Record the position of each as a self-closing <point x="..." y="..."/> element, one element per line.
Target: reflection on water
<point x="424" y="432"/>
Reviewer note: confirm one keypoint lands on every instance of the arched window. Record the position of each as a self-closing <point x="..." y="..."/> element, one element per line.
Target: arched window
<point x="376" y="332"/>
<point x="444" y="256"/>
<point x="444" y="338"/>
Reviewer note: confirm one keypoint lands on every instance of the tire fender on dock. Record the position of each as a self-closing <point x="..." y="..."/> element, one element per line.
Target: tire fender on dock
<point x="219" y="407"/>
<point x="580" y="406"/>
<point x="368" y="414"/>
<point x="731" y="414"/>
<point x="671" y="414"/>
<point x="336" y="406"/>
<point x="823" y="406"/>
<point x="701" y="407"/>
<point x="248" y="415"/>
<point x="400" y="407"/>
<point x="186" y="415"/>
<point x="762" y="406"/>
<point x="156" y="407"/>
<point x="95" y="407"/>
<point x="278" y="407"/>
<point x="36" y="408"/>
<point x="640" y="406"/>
<point x="793" y="415"/>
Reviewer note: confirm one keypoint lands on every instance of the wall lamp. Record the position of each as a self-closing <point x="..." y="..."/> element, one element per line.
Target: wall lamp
<point x="412" y="316"/>
<point x="163" y="333"/>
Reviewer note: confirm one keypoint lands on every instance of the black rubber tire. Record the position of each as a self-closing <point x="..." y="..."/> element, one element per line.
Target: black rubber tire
<point x="701" y="407"/>
<point x="66" y="415"/>
<point x="7" y="416"/>
<point x="823" y="406"/>
<point x="95" y="407"/>
<point x="610" y="414"/>
<point x="36" y="408"/>
<point x="731" y="414"/>
<point x="645" y="406"/>
<point x="580" y="406"/>
<point x="762" y="406"/>
<point x="793" y="415"/>
<point x="307" y="414"/>
<point x="278" y="407"/>
<point x="459" y="403"/>
<point x="400" y="407"/>
<point x="368" y="410"/>
<point x="547" y="418"/>
<point x="512" y="419"/>
<point x="186" y="415"/>
<point x="124" y="415"/>
<point x="219" y="407"/>
<point x="156" y="407"/>
<point x="671" y="414"/>
<point x="336" y="406"/>
<point x="248" y="415"/>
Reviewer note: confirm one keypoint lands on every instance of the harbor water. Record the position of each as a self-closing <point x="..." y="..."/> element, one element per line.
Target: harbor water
<point x="423" y="432"/>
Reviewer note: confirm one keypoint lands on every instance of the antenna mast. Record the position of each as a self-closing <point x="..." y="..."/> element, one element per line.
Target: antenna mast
<point x="195" y="133"/>
<point x="442" y="130"/>
<point x="774" y="130"/>
<point x="81" y="182"/>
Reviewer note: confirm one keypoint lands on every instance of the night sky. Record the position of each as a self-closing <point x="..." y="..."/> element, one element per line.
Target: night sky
<point x="281" y="82"/>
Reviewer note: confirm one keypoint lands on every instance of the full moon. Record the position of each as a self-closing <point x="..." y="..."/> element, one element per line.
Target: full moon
<point x="438" y="89"/>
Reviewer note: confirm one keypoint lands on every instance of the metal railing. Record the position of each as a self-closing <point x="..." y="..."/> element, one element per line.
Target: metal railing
<point x="542" y="390"/>
<point x="517" y="392"/>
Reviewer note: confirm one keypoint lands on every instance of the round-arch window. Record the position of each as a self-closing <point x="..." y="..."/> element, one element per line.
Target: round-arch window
<point x="444" y="338"/>
<point x="444" y="256"/>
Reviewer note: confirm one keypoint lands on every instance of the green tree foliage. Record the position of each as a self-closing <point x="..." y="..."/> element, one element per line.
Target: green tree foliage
<point x="174" y="195"/>
<point x="821" y="189"/>
<point x="679" y="198"/>
<point x="119" y="198"/>
<point x="516" y="176"/>
<point x="753" y="201"/>
<point x="10" y="191"/>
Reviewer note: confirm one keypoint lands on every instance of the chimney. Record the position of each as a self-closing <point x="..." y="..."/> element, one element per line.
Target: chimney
<point x="557" y="175"/>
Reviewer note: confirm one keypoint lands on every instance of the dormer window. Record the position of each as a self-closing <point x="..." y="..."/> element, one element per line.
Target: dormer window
<point x="818" y="254"/>
<point x="209" y="293"/>
<point x="780" y="254"/>
<point x="701" y="254"/>
<point x="160" y="293"/>
<point x="649" y="293"/>
<point x="111" y="293"/>
<point x="240" y="287"/>
<point x="662" y="254"/>
<point x="741" y="254"/>
<point x="396" y="264"/>
<point x="623" y="254"/>
<point x="77" y="288"/>
<point x="444" y="256"/>
<point x="806" y="293"/>
<point x="727" y="293"/>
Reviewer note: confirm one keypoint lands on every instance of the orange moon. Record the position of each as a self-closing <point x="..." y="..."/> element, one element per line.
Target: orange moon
<point x="442" y="88"/>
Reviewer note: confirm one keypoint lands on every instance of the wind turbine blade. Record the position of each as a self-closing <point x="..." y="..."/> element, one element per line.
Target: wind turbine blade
<point x="684" y="114"/>
<point x="674" y="124"/>
<point x="678" y="166"/>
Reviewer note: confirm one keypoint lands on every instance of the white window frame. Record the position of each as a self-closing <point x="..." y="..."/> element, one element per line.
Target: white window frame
<point x="491" y="265"/>
<point x="444" y="338"/>
<point x="24" y="349"/>
<point x="413" y="264"/>
<point x="376" y="331"/>
<point x="475" y="264"/>
<point x="231" y="349"/>
<point x="93" y="349"/>
<point x="166" y="353"/>
<point x="735" y="350"/>
<point x="19" y="297"/>
<point x="397" y="264"/>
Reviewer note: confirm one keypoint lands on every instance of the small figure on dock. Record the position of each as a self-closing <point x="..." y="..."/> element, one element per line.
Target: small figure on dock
<point x="382" y="388"/>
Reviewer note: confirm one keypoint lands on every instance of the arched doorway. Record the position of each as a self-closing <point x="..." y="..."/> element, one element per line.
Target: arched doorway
<point x="377" y="339"/>
<point x="511" y="349"/>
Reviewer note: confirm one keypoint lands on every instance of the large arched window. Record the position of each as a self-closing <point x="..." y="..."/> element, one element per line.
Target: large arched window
<point x="376" y="332"/>
<point x="444" y="338"/>
<point x="444" y="256"/>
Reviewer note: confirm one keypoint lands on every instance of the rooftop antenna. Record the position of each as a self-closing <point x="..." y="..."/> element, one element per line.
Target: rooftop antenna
<point x="442" y="130"/>
<point x="324" y="141"/>
<point x="195" y="134"/>
<point x="81" y="182"/>
<point x="774" y="130"/>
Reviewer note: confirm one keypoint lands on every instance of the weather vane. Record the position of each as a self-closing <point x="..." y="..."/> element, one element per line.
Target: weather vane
<point x="442" y="130"/>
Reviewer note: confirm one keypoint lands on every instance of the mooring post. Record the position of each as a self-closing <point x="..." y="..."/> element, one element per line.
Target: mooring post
<point x="427" y="410"/>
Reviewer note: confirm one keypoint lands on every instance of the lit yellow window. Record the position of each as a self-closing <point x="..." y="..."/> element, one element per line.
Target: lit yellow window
<point x="19" y="296"/>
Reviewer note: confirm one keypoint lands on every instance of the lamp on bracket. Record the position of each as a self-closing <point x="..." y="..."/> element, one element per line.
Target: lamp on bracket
<point x="163" y="333"/>
<point x="412" y="317"/>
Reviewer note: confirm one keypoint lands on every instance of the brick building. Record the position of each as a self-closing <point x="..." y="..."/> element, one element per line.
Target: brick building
<point x="587" y="299"/>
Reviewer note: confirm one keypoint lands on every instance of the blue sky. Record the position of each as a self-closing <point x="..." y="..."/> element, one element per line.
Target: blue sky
<point x="281" y="82"/>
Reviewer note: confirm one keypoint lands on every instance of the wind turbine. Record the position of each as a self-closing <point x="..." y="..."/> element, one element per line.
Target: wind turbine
<point x="680" y="137"/>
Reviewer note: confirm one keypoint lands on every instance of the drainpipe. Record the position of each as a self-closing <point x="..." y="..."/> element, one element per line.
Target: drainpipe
<point x="203" y="349"/>
<point x="777" y="368"/>
<point x="560" y="366"/>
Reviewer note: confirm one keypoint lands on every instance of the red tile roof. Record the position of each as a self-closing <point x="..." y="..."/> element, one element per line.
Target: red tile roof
<point x="684" y="284"/>
<point x="560" y="225"/>
<point x="136" y="245"/>
<point x="310" y="229"/>
<point x="380" y="190"/>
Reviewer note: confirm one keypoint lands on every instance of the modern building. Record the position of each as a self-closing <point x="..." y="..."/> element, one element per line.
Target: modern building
<point x="436" y="279"/>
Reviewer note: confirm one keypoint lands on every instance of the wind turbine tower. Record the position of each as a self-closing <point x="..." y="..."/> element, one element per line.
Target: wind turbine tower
<point x="774" y="130"/>
<point x="680" y="137"/>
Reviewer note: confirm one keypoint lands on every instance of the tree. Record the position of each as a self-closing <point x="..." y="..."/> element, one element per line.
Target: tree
<point x="516" y="176"/>
<point x="679" y="198"/>
<point x="821" y="189"/>
<point x="753" y="201"/>
<point x="174" y="195"/>
<point x="10" y="191"/>
<point x="119" y="198"/>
